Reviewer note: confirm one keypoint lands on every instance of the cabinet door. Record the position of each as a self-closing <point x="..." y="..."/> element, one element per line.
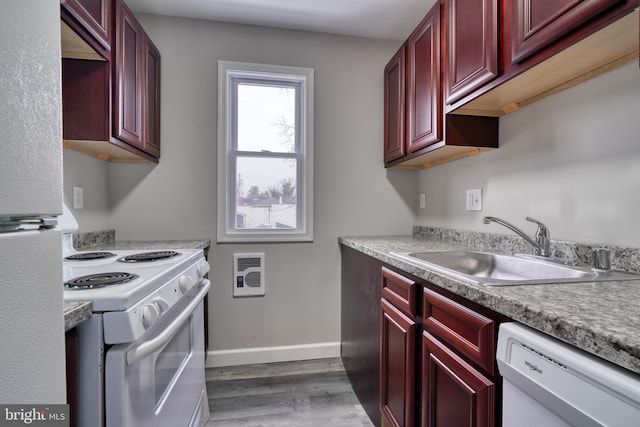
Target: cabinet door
<point x="539" y="23"/>
<point x="360" y="313"/>
<point x="128" y="82"/>
<point x="94" y="16"/>
<point x="424" y="110"/>
<point x="394" y="105"/>
<point x="397" y="367"/>
<point x="152" y="100"/>
<point x="471" y="45"/>
<point x="454" y="394"/>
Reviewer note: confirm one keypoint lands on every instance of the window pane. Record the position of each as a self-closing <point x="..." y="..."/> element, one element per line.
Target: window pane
<point x="266" y="118"/>
<point x="266" y="193"/>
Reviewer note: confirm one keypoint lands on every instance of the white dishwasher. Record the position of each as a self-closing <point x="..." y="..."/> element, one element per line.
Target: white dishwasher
<point x="549" y="383"/>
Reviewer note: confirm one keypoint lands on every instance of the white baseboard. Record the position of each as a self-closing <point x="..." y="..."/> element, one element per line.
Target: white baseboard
<point x="288" y="353"/>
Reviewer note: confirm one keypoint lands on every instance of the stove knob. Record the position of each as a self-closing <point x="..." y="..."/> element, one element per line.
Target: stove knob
<point x="161" y="305"/>
<point x="204" y="268"/>
<point x="150" y="314"/>
<point x="186" y="283"/>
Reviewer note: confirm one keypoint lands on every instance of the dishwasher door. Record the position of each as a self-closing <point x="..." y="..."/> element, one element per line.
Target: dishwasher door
<point x="549" y="383"/>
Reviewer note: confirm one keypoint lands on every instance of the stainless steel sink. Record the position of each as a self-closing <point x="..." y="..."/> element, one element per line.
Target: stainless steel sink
<point x="490" y="268"/>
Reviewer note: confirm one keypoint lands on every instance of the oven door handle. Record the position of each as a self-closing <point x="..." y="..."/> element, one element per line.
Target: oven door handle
<point x="151" y="346"/>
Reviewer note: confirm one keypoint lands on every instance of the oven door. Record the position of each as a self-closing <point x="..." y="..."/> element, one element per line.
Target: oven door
<point x="159" y="380"/>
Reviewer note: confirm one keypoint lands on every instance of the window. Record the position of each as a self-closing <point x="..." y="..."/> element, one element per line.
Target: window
<point x="265" y="163"/>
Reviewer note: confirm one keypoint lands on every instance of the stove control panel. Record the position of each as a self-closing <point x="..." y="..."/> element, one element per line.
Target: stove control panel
<point x="129" y="325"/>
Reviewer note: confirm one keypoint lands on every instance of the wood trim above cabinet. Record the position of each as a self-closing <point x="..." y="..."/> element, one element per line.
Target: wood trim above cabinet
<point x="109" y="151"/>
<point x="73" y="46"/>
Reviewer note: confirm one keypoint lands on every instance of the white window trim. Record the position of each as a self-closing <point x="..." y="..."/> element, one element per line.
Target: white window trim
<point x="226" y="234"/>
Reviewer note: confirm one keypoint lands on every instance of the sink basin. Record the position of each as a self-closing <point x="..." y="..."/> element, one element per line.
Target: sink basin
<point x="489" y="268"/>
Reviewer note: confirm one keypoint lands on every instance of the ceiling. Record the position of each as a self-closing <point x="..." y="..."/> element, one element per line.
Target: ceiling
<point x="381" y="19"/>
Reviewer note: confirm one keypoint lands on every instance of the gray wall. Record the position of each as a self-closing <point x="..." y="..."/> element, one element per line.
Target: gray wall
<point x="571" y="160"/>
<point x="176" y="199"/>
<point x="92" y="175"/>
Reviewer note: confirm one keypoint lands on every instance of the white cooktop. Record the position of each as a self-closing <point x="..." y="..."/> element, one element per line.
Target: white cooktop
<point x="120" y="297"/>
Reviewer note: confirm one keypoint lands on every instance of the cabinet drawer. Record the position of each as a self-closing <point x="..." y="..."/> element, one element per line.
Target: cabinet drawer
<point x="400" y="290"/>
<point x="470" y="333"/>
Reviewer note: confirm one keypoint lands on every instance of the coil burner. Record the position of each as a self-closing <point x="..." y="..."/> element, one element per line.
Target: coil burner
<point x="89" y="256"/>
<point x="101" y="280"/>
<point x="149" y="256"/>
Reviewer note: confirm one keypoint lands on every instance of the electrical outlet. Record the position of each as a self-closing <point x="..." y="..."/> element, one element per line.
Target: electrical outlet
<point x="78" y="198"/>
<point x="474" y="200"/>
<point x="423" y="200"/>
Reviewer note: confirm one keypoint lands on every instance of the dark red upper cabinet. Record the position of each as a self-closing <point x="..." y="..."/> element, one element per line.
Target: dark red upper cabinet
<point x="470" y="45"/>
<point x="128" y="66"/>
<point x="94" y="16"/>
<point x="538" y="23"/>
<point x="115" y="99"/>
<point x="152" y="100"/>
<point x="424" y="95"/>
<point x="136" y="101"/>
<point x="394" y="103"/>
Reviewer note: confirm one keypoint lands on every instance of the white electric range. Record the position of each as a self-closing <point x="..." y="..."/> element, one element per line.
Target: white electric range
<point x="141" y="354"/>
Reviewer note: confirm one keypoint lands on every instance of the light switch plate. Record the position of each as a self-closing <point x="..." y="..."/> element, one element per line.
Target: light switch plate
<point x="474" y="199"/>
<point x="423" y="200"/>
<point x="78" y="198"/>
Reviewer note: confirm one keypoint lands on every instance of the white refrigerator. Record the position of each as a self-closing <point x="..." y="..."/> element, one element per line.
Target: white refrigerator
<point x="32" y="351"/>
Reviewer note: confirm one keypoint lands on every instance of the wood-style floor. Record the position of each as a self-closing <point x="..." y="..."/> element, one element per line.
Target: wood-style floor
<point x="313" y="393"/>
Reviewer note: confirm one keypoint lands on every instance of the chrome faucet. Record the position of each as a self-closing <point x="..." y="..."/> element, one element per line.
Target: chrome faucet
<point x="543" y="236"/>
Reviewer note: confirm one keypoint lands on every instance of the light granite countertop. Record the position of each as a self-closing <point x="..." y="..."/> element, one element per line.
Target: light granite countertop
<point x="152" y="245"/>
<point x="76" y="312"/>
<point x="601" y="318"/>
<point x="106" y="240"/>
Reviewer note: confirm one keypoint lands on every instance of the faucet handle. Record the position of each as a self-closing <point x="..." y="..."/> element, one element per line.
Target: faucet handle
<point x="543" y="236"/>
<point x="536" y="221"/>
<point x="541" y="227"/>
